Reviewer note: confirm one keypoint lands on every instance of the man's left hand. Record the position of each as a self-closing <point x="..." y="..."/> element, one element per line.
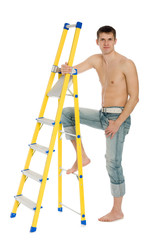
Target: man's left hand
<point x="112" y="129"/>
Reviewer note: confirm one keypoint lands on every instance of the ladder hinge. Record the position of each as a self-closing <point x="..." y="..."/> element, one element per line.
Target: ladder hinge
<point x="55" y="69"/>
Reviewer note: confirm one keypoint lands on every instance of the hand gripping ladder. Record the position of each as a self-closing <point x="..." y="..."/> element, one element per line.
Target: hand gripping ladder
<point x="59" y="90"/>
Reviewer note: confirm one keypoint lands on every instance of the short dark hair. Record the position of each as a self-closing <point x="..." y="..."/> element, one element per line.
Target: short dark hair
<point x="106" y="29"/>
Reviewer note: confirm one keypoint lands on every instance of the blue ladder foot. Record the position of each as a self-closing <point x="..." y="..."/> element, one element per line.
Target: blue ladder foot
<point x="60" y="209"/>
<point x="13" y="215"/>
<point x="33" y="229"/>
<point x="83" y="222"/>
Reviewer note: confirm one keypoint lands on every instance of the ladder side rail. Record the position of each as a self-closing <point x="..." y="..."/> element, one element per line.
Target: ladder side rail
<point x="38" y="125"/>
<point x="49" y="156"/>
<point x="74" y="46"/>
<point x="59" y="162"/>
<point x="55" y="130"/>
<point x="51" y="79"/>
<point x="79" y="150"/>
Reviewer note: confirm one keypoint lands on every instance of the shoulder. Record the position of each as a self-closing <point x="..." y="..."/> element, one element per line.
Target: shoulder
<point x="95" y="59"/>
<point x="126" y="64"/>
<point x="129" y="70"/>
<point x="126" y="61"/>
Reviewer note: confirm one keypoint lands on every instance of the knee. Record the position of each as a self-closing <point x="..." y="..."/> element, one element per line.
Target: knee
<point x="67" y="115"/>
<point x="64" y="114"/>
<point x="110" y="160"/>
<point x="114" y="170"/>
<point x="109" y="165"/>
<point x="67" y="112"/>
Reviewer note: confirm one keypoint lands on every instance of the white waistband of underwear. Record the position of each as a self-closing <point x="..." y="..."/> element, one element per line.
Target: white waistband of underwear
<point x="111" y="110"/>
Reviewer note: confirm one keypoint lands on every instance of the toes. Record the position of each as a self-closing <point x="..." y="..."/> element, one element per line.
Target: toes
<point x="68" y="171"/>
<point x="101" y="219"/>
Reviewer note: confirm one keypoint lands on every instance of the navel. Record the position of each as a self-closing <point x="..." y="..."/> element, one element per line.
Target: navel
<point x="112" y="82"/>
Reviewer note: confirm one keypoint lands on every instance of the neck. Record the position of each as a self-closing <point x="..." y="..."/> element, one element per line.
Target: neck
<point x="109" y="57"/>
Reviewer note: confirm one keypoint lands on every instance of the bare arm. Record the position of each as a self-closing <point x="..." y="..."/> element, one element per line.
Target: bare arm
<point x="133" y="92"/>
<point x="84" y="66"/>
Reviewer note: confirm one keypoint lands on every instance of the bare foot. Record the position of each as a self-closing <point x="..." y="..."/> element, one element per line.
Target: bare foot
<point x="112" y="216"/>
<point x="85" y="162"/>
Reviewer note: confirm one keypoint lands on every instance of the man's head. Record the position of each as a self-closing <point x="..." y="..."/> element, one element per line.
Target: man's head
<point x="106" y="29"/>
<point x="106" y="39"/>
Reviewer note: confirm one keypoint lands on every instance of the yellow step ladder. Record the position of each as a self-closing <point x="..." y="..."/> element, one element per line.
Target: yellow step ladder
<point x="58" y="90"/>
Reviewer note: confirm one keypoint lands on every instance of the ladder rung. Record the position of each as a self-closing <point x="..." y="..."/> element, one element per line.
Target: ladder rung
<point x="66" y="171"/>
<point x="39" y="148"/>
<point x="25" y="201"/>
<point x="31" y="174"/>
<point x="70" y="25"/>
<point x="67" y="133"/>
<point x="46" y="121"/>
<point x="69" y="208"/>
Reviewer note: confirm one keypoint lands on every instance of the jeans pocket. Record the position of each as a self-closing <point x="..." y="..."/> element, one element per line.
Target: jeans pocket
<point x="113" y="116"/>
<point x="126" y="130"/>
<point x="104" y="121"/>
<point x="121" y="133"/>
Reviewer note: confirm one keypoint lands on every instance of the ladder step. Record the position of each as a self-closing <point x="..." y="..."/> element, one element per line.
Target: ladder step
<point x="31" y="174"/>
<point x="25" y="201"/>
<point x="46" y="121"/>
<point x="39" y="148"/>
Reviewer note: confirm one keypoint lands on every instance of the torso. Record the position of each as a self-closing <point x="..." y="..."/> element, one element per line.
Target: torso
<point x="113" y="80"/>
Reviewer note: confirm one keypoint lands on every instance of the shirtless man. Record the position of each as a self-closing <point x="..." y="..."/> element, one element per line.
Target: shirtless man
<point x="119" y="81"/>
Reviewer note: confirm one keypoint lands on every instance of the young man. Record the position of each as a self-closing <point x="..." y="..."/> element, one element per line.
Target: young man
<point x="119" y="81"/>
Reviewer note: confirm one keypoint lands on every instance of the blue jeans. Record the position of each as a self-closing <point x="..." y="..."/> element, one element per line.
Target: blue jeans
<point x="114" y="146"/>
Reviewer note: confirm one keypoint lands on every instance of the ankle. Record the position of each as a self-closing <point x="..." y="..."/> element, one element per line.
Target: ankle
<point x="84" y="155"/>
<point x="116" y="210"/>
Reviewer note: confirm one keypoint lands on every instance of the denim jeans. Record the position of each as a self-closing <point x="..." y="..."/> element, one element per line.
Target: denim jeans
<point x="114" y="146"/>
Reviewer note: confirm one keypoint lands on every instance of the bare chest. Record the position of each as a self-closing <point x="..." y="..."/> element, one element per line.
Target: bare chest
<point x="111" y="76"/>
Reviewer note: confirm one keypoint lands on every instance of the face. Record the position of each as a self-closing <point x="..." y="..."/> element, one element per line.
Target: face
<point x="106" y="42"/>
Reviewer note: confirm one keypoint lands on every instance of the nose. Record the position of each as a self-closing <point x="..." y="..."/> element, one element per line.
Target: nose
<point x="106" y="43"/>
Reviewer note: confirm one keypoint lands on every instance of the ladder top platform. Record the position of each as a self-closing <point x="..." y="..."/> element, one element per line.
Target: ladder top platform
<point x="57" y="88"/>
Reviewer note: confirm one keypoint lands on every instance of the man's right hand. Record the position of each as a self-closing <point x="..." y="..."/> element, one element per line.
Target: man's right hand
<point x="65" y="69"/>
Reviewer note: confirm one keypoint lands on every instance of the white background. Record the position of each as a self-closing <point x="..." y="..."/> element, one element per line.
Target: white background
<point x="30" y="33"/>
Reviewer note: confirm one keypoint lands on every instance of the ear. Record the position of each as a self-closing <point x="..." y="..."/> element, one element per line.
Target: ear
<point x="115" y="41"/>
<point x="97" y="42"/>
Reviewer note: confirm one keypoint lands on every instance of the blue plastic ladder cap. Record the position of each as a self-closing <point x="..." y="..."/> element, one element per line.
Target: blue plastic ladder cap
<point x="83" y="222"/>
<point x="60" y="209"/>
<point x="33" y="229"/>
<point x="13" y="215"/>
<point x="76" y="72"/>
<point x="79" y="25"/>
<point x="65" y="26"/>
